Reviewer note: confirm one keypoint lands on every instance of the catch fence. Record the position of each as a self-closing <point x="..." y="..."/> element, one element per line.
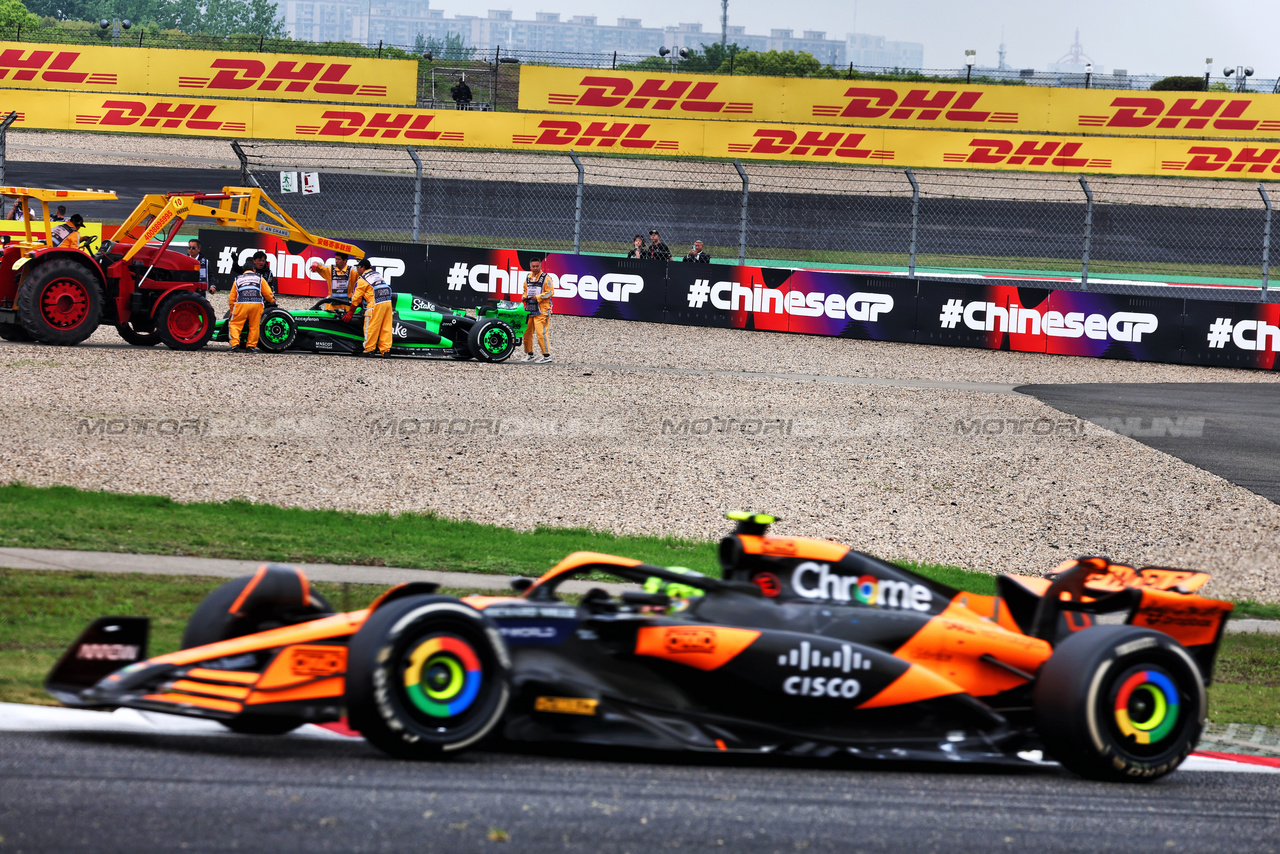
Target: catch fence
<point x="926" y="221"/>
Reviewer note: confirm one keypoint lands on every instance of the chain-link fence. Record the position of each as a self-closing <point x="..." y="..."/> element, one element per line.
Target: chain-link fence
<point x="929" y="222"/>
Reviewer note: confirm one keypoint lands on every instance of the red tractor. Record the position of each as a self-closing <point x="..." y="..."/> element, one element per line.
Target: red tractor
<point x="54" y="294"/>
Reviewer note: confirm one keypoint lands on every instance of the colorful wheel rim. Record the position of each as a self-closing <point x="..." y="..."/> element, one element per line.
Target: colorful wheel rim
<point x="443" y="676"/>
<point x="1147" y="706"/>
<point x="64" y="303"/>
<point x="276" y="330"/>
<point x="187" y="321"/>
<point x="496" y="340"/>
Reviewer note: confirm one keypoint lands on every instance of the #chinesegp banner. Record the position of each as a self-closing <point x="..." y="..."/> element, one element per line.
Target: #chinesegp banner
<point x="402" y="265"/>
<point x="948" y="105"/>
<point x="1037" y="320"/>
<point x="208" y="73"/>
<point x="1232" y="334"/>
<point x="806" y="301"/>
<point x="585" y="285"/>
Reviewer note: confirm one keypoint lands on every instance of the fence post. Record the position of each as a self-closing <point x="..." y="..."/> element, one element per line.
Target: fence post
<point x="1088" y="233"/>
<point x="577" y="211"/>
<point x="915" y="222"/>
<point x="4" y="133"/>
<point x="246" y="175"/>
<point x="742" y="228"/>
<point x="1266" y="231"/>
<point x="417" y="190"/>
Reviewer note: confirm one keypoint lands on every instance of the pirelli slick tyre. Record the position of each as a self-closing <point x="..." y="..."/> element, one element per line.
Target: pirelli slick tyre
<point x="274" y="596"/>
<point x="491" y="340"/>
<point x="59" y="302"/>
<point x="13" y="332"/>
<point x="278" y="331"/>
<point x="427" y="676"/>
<point x="185" y="321"/>
<point x="138" y="339"/>
<point x="1120" y="703"/>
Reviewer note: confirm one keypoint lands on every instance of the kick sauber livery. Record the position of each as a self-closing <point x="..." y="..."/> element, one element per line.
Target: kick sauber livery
<point x="803" y="647"/>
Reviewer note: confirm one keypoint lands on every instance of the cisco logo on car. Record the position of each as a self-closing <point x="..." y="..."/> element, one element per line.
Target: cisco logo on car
<point x="813" y="580"/>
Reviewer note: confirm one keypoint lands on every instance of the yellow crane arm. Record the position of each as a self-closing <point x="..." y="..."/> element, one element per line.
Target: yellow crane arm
<point x="236" y="207"/>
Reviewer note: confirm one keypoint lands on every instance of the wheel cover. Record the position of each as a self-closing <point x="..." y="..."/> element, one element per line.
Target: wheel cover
<point x="1147" y="707"/>
<point x="276" y="330"/>
<point x="64" y="304"/>
<point x="187" y="321"/>
<point x="442" y="677"/>
<point x="496" y="340"/>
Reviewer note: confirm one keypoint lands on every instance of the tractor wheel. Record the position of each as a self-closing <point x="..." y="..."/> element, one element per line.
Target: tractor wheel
<point x="1120" y="703"/>
<point x="13" y="332"/>
<point x="278" y="330"/>
<point x="426" y="676"/>
<point x="185" y="321"/>
<point x="137" y="338"/>
<point x="60" y="302"/>
<point x="491" y="340"/>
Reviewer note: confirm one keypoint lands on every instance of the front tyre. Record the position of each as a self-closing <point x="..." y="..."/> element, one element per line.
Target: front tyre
<point x="185" y="321"/>
<point x="426" y="676"/>
<point x="491" y="340"/>
<point x="128" y="332"/>
<point x="279" y="330"/>
<point x="1120" y="703"/>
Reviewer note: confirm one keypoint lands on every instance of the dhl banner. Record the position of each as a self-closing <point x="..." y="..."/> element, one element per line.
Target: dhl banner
<point x="935" y="106"/>
<point x="671" y="137"/>
<point x="156" y="71"/>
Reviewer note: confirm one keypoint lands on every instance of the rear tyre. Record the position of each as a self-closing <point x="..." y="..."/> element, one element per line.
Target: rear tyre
<point x="1120" y="703"/>
<point x="491" y="340"/>
<point x="138" y="339"/>
<point x="426" y="676"/>
<point x="185" y="321"/>
<point x="278" y="332"/>
<point x="13" y="332"/>
<point x="60" y="302"/>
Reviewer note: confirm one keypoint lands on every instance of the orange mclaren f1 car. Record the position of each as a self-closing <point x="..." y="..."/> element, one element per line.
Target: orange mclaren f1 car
<point x="803" y="647"/>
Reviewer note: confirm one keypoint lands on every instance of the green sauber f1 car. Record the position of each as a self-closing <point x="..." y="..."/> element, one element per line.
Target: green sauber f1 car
<point x="420" y="328"/>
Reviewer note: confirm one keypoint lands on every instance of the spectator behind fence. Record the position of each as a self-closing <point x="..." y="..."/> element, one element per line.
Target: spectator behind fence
<point x="637" y="247"/>
<point x="461" y="93"/>
<point x="656" y="250"/>
<point x="697" y="256"/>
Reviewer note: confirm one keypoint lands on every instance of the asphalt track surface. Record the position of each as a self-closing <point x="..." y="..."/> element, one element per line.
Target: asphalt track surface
<point x="1240" y="440"/>
<point x="126" y="792"/>
<point x="534" y="210"/>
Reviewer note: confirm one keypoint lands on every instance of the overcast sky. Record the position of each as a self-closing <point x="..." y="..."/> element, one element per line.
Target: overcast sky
<point x="1141" y="36"/>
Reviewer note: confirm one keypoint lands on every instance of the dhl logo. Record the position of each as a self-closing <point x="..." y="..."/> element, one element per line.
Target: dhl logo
<point x="603" y="134"/>
<point x="814" y="143"/>
<point x="920" y="105"/>
<point x="163" y="114"/>
<point x="51" y="66"/>
<point x="342" y="123"/>
<point x="238" y="75"/>
<point x="691" y="96"/>
<point x="1215" y="158"/>
<point x="1197" y="113"/>
<point x="1031" y="152"/>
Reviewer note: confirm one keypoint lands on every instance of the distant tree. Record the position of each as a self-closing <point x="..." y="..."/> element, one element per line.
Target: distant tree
<point x="773" y="63"/>
<point x="1179" y="84"/>
<point x="258" y="17"/>
<point x="13" y="13"/>
<point x="709" y="59"/>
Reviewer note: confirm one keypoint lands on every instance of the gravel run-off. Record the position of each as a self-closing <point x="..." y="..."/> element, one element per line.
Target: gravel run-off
<point x="654" y="429"/>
